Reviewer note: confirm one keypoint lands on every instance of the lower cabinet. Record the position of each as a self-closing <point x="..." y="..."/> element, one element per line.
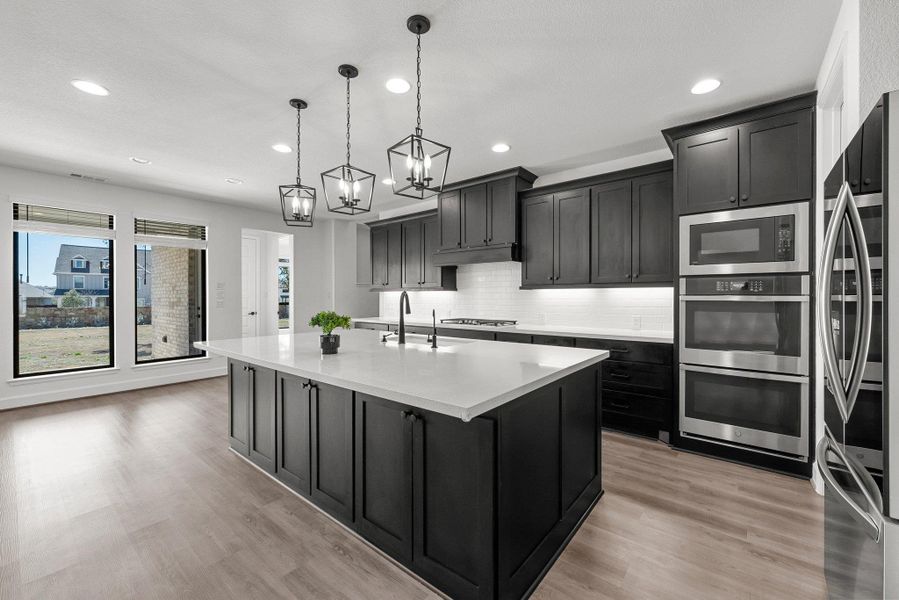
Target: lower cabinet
<point x="294" y="449"/>
<point x="332" y="450"/>
<point x="239" y="406"/>
<point x="252" y="413"/>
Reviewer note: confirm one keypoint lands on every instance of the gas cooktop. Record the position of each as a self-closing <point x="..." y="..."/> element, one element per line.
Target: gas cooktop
<point x="490" y="322"/>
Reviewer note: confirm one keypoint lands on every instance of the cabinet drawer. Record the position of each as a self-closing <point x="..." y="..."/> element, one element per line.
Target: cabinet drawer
<point x="631" y="351"/>
<point x="553" y="340"/>
<point x="522" y="338"/>
<point x="367" y="325"/>
<point x="641" y="378"/>
<point x="635" y="405"/>
<point x="474" y="334"/>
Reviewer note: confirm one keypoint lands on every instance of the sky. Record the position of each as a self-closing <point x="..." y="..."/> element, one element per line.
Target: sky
<point x="39" y="251"/>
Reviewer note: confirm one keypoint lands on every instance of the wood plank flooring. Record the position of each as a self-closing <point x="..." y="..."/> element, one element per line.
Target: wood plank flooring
<point x="135" y="495"/>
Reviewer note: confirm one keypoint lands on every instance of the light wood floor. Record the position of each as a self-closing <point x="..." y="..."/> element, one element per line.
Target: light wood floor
<point x="135" y="495"/>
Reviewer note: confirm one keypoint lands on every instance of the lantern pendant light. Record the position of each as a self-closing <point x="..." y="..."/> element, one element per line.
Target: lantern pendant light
<point x="348" y="189"/>
<point x="298" y="200"/>
<point x="417" y="164"/>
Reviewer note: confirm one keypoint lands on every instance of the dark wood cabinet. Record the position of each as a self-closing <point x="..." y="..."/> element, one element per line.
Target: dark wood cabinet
<point x="652" y="259"/>
<point x="449" y="211"/>
<point x="502" y="212"/>
<point x="262" y="417"/>
<point x="612" y="231"/>
<point x="394" y="255"/>
<point x="384" y="474"/>
<point x="537" y="240"/>
<point x="864" y="155"/>
<point x="412" y="253"/>
<point x="474" y="216"/>
<point x="708" y="171"/>
<point x="403" y="251"/>
<point x="776" y="159"/>
<point x="332" y="450"/>
<point x="433" y="276"/>
<point x="580" y="444"/>
<point x="294" y="433"/>
<point x="571" y="248"/>
<point x="379" y="256"/>
<point x="239" y="406"/>
<point x="387" y="256"/>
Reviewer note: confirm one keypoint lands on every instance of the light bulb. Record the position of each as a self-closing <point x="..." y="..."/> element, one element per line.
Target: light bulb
<point x="409" y="161"/>
<point x="356" y="188"/>
<point x="427" y="173"/>
<point x="296" y="206"/>
<point x="306" y="207"/>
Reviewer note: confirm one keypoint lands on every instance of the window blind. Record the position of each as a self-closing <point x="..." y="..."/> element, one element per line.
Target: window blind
<point x="32" y="213"/>
<point x="169" y="229"/>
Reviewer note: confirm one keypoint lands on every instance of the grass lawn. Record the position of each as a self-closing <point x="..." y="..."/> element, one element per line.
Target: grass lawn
<point x="43" y="350"/>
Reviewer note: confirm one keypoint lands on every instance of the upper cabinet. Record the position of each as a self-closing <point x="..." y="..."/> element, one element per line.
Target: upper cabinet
<point x="618" y="231"/>
<point x="864" y="156"/>
<point x="763" y="155"/>
<point x="402" y="255"/>
<point x="479" y="219"/>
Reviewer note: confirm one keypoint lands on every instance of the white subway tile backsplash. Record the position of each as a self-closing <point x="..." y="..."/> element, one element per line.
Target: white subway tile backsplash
<point x="491" y="291"/>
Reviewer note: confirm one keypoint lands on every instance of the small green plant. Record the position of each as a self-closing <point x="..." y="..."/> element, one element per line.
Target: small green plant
<point x="329" y="320"/>
<point x="72" y="299"/>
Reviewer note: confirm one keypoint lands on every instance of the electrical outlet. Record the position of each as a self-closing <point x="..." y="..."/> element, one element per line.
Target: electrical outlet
<point x="636" y="322"/>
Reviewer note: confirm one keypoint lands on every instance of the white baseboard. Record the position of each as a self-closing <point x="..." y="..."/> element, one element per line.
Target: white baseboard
<point x="109" y="387"/>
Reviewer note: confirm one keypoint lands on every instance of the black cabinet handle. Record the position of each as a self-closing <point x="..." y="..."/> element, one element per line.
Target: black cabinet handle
<point x="307" y="384"/>
<point x="620" y="350"/>
<point x="867" y="180"/>
<point x="733" y="198"/>
<point x="490" y="239"/>
<point x="636" y="275"/>
<point x="744" y="197"/>
<point x="616" y="405"/>
<point x="550" y="278"/>
<point x="619" y="375"/>
<point x="627" y="275"/>
<point x="485" y="240"/>
<point x="854" y="183"/>
<point x="458" y="244"/>
<point x="408" y="414"/>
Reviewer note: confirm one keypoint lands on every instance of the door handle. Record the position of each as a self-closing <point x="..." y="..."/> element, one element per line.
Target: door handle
<point x="863" y="323"/>
<point x="252" y="314"/>
<point x="861" y="477"/>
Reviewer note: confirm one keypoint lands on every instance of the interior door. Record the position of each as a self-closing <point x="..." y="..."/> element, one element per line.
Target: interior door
<point x="249" y="291"/>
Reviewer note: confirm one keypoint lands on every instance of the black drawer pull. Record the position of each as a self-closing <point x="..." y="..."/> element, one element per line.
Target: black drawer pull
<point x="616" y="405"/>
<point x="620" y="350"/>
<point x="620" y="375"/>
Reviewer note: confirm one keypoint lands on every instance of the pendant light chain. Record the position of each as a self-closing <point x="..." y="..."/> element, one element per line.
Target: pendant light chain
<point x="347" y="120"/>
<point x="418" y="84"/>
<point x="299" y="180"/>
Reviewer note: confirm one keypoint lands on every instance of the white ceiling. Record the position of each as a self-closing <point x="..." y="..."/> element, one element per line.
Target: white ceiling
<point x="201" y="87"/>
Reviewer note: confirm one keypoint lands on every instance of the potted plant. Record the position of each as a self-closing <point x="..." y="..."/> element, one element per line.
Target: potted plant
<point x="329" y="320"/>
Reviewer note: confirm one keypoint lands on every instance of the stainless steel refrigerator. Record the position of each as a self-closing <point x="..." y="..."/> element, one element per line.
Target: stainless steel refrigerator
<point x="858" y="456"/>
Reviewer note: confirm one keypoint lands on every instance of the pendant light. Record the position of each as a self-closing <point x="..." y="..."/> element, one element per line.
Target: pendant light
<point x="298" y="200"/>
<point x="417" y="164"/>
<point x="348" y="189"/>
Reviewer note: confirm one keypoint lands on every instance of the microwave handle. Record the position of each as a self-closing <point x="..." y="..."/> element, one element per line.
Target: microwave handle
<point x="833" y="377"/>
<point x="863" y="324"/>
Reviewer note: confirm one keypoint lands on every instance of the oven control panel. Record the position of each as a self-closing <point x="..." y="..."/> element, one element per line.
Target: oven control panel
<point x="755" y="285"/>
<point x="784" y="239"/>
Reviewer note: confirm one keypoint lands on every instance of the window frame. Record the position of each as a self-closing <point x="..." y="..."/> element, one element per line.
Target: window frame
<point x="102" y="234"/>
<point x="203" y="299"/>
<point x="80" y="259"/>
<point x="106" y="282"/>
<point x="75" y="278"/>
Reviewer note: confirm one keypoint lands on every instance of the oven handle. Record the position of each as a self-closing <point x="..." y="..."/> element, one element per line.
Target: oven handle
<point x="863" y="323"/>
<point x="832" y="377"/>
<point x="734" y="298"/>
<point x="800" y="379"/>
<point x="862" y="478"/>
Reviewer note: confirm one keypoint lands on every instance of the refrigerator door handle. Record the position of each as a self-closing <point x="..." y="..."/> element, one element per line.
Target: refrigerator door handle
<point x="873" y="523"/>
<point x="862" y="342"/>
<point x="832" y="374"/>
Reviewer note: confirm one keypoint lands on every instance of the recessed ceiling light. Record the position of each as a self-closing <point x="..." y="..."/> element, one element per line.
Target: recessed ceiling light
<point x="140" y="161"/>
<point x="388" y="181"/>
<point x="705" y="86"/>
<point x="500" y="147"/>
<point x="398" y="85"/>
<point x="89" y="87"/>
<point x="282" y="148"/>
<point x="234" y="180"/>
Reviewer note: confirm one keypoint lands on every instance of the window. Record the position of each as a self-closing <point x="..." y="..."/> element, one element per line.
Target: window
<point x="283" y="293"/>
<point x="106" y="283"/>
<point x="170" y="290"/>
<point x="104" y="264"/>
<point x="61" y="324"/>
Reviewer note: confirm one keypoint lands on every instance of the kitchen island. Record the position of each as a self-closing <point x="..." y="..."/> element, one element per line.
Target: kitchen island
<point x="471" y="464"/>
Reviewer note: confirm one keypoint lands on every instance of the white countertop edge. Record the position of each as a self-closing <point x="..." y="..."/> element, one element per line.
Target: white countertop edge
<point x="656" y="337"/>
<point x="465" y="414"/>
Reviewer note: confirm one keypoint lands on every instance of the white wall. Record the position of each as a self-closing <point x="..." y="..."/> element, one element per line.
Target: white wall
<point x="490" y="290"/>
<point x="314" y="270"/>
<point x="878" y="51"/>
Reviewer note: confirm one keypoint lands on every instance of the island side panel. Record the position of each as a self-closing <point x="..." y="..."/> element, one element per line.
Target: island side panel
<point x="549" y="476"/>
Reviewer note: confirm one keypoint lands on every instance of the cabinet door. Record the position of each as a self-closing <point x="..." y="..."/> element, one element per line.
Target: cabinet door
<point x="453" y="499"/>
<point x="776" y="159"/>
<point x="652" y="247"/>
<point x="332" y="450"/>
<point x="449" y="214"/>
<point x="379" y="256"/>
<point x="502" y="207"/>
<point x="395" y="255"/>
<point x="707" y="171"/>
<point x="611" y="227"/>
<point x="474" y="216"/>
<point x="580" y="434"/>
<point x="263" y="445"/>
<point x="537" y="240"/>
<point x="572" y="237"/>
<point x="293" y="415"/>
<point x="872" y="153"/>
<point x="430" y="232"/>
<point x="411" y="253"/>
<point x="384" y="475"/>
<point x="239" y="405"/>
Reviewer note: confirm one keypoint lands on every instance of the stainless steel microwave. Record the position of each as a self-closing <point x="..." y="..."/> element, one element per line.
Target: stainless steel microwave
<point x="768" y="239"/>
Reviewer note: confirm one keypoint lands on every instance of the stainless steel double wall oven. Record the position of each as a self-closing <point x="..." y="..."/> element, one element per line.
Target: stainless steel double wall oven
<point x="745" y="329"/>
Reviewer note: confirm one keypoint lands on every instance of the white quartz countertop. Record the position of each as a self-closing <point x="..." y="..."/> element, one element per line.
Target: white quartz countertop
<point x="462" y="378"/>
<point x="636" y="335"/>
